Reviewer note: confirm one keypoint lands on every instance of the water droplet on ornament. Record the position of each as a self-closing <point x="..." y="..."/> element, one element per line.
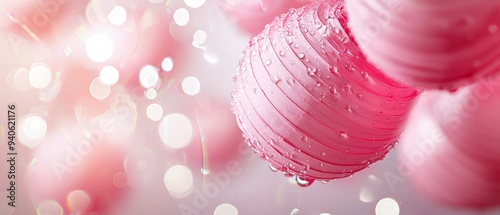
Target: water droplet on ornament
<point x="360" y="96"/>
<point x="268" y="62"/>
<point x="301" y="56"/>
<point x="275" y="79"/>
<point x="334" y="70"/>
<point x="311" y="71"/>
<point x="272" y="168"/>
<point x="336" y="31"/>
<point x="348" y="108"/>
<point x="364" y="74"/>
<point x="343" y="135"/>
<point x="303" y="138"/>
<point x="303" y="182"/>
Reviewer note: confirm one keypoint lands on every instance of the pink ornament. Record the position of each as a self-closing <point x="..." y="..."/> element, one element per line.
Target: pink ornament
<point x="451" y="147"/>
<point x="433" y="44"/>
<point x="309" y="103"/>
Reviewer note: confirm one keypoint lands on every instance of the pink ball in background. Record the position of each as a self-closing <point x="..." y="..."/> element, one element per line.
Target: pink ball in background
<point x="76" y="174"/>
<point x="40" y="19"/>
<point x="450" y="149"/>
<point x="431" y="44"/>
<point x="219" y="136"/>
<point x="309" y="103"/>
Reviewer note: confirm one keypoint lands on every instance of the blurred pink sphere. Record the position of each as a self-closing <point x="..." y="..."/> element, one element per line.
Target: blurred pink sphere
<point x="433" y="44"/>
<point x="82" y="175"/>
<point x="450" y="149"/>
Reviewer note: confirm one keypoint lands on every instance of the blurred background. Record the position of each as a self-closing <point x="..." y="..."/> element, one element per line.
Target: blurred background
<point x="122" y="107"/>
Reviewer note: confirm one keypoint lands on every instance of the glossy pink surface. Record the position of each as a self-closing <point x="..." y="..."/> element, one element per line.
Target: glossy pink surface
<point x="309" y="103"/>
<point x="432" y="44"/>
<point x="451" y="147"/>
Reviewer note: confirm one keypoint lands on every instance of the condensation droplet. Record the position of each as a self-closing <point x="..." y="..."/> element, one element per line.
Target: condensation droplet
<point x="343" y="135"/>
<point x="303" y="138"/>
<point x="348" y="108"/>
<point x="360" y="96"/>
<point x="311" y="71"/>
<point x="334" y="70"/>
<point x="272" y="168"/>
<point x="275" y="79"/>
<point x="303" y="182"/>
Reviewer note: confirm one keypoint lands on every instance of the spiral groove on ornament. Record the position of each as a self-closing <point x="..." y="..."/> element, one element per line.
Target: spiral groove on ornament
<point x="309" y="103"/>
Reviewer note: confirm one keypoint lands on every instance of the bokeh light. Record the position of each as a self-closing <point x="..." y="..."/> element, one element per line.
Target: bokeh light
<point x="99" y="48"/>
<point x="226" y="209"/>
<point x="176" y="130"/>
<point x="78" y="201"/>
<point x="34" y="127"/>
<point x="167" y="64"/>
<point x="199" y="38"/>
<point x="154" y="112"/>
<point x="191" y="85"/>
<point x="49" y="207"/>
<point x="40" y="75"/>
<point x="148" y="76"/>
<point x="109" y="75"/>
<point x="194" y="3"/>
<point x="150" y="94"/>
<point x="178" y="180"/>
<point x="118" y="15"/>
<point x="181" y="17"/>
<point x="120" y="180"/>
<point x="387" y="206"/>
<point x="21" y="79"/>
<point x="98" y="89"/>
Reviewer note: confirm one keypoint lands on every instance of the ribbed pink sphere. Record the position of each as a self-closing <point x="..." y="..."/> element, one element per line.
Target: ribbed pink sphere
<point x="452" y="144"/>
<point x="440" y="44"/>
<point x="309" y="103"/>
